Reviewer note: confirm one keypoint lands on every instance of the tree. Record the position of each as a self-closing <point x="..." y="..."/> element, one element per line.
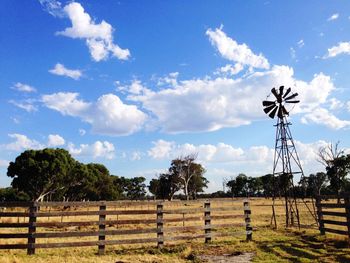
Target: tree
<point x="165" y="186"/>
<point x="337" y="166"/>
<point x="197" y="183"/>
<point x="10" y="194"/>
<point x="184" y="168"/>
<point x="135" y="188"/>
<point x="268" y="183"/>
<point x="39" y="173"/>
<point x="239" y="185"/>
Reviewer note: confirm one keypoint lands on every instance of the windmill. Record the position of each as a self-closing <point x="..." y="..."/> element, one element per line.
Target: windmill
<point x="286" y="159"/>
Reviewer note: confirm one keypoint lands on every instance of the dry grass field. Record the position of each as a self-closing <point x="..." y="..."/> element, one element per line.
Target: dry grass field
<point x="268" y="245"/>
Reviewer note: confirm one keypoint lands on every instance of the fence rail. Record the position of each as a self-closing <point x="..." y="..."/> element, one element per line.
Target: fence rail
<point x="337" y="222"/>
<point x="110" y="223"/>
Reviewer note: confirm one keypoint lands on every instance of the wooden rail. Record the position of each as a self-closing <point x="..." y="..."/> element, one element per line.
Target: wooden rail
<point x="337" y="222"/>
<point x="24" y="224"/>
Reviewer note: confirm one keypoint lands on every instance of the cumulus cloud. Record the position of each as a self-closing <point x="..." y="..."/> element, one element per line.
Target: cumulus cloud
<point x="96" y="150"/>
<point x="108" y="115"/>
<point x="98" y="37"/>
<point x="55" y="140"/>
<point x="61" y="70"/>
<point x="323" y="117"/>
<point x="27" y="105"/>
<point x="23" y="87"/>
<point x="341" y="48"/>
<point x="230" y="70"/>
<point x="209" y="153"/>
<point x="22" y="142"/>
<point x="231" y="50"/>
<point x="333" y="17"/>
<point x="254" y="160"/>
<point x="211" y="104"/>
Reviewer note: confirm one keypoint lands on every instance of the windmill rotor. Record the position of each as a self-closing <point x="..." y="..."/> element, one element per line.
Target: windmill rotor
<point x="277" y="106"/>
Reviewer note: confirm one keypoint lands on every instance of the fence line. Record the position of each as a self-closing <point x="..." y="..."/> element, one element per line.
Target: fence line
<point x="330" y="218"/>
<point x="163" y="225"/>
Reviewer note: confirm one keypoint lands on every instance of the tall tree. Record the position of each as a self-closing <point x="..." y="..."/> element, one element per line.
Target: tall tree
<point x="185" y="168"/>
<point x="41" y="172"/>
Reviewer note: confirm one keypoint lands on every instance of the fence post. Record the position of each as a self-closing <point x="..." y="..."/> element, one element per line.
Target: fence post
<point x="207" y="227"/>
<point x="248" y="226"/>
<point x="160" y="234"/>
<point x="347" y="210"/>
<point x="32" y="228"/>
<point x="102" y="229"/>
<point x="320" y="215"/>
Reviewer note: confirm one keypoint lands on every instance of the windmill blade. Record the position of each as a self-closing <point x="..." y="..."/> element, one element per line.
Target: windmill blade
<point x="287" y="92"/>
<point x="273" y="112"/>
<point x="291" y="96"/>
<point x="274" y="92"/>
<point x="269" y="108"/>
<point x="268" y="103"/>
<point x="281" y="91"/>
<point x="293" y="101"/>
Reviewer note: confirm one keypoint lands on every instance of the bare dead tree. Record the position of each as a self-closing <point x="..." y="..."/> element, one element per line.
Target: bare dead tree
<point x="327" y="154"/>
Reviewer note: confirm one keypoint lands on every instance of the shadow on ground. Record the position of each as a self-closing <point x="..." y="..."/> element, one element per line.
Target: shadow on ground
<point x="307" y="248"/>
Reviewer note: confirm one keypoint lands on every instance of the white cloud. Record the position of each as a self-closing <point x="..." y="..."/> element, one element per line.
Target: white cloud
<point x="99" y="37"/>
<point x="26" y="105"/>
<point x="301" y="43"/>
<point x="348" y="106"/>
<point x="66" y="103"/>
<point x="136" y="87"/>
<point x="53" y="7"/>
<point x="231" y="50"/>
<point x="170" y="79"/>
<point x="341" y="48"/>
<point x="55" y="140"/>
<point x="161" y="149"/>
<point x="22" y="142"/>
<point x="211" y="104"/>
<point x="254" y="160"/>
<point x="324" y="117"/>
<point x="208" y="153"/>
<point x="335" y="104"/>
<point x="333" y="17"/>
<point x="23" y="87"/>
<point x="96" y="150"/>
<point x="108" y="115"/>
<point x="230" y="69"/>
<point x="61" y="70"/>
<point x="136" y="156"/>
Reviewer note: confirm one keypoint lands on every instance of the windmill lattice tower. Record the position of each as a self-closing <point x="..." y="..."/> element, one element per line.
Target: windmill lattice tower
<point x="286" y="162"/>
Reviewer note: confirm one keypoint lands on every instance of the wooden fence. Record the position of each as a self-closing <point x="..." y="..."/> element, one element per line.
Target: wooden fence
<point x="334" y="214"/>
<point x="32" y="225"/>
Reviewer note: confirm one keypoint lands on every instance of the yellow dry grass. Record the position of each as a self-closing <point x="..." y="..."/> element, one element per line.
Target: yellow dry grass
<point x="269" y="245"/>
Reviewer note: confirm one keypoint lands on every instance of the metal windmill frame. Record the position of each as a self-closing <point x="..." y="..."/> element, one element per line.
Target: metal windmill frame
<point x="286" y="162"/>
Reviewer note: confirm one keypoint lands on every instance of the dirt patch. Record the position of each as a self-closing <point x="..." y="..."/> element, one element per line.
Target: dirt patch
<point x="227" y="258"/>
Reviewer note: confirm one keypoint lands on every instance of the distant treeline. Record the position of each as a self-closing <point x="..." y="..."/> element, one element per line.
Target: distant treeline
<point x="54" y="175"/>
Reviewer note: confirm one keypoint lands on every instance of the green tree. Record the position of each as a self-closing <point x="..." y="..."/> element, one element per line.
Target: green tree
<point x="184" y="169"/>
<point x="165" y="186"/>
<point x="39" y="173"/>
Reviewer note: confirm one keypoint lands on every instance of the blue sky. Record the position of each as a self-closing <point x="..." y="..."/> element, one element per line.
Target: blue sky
<point x="133" y="85"/>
